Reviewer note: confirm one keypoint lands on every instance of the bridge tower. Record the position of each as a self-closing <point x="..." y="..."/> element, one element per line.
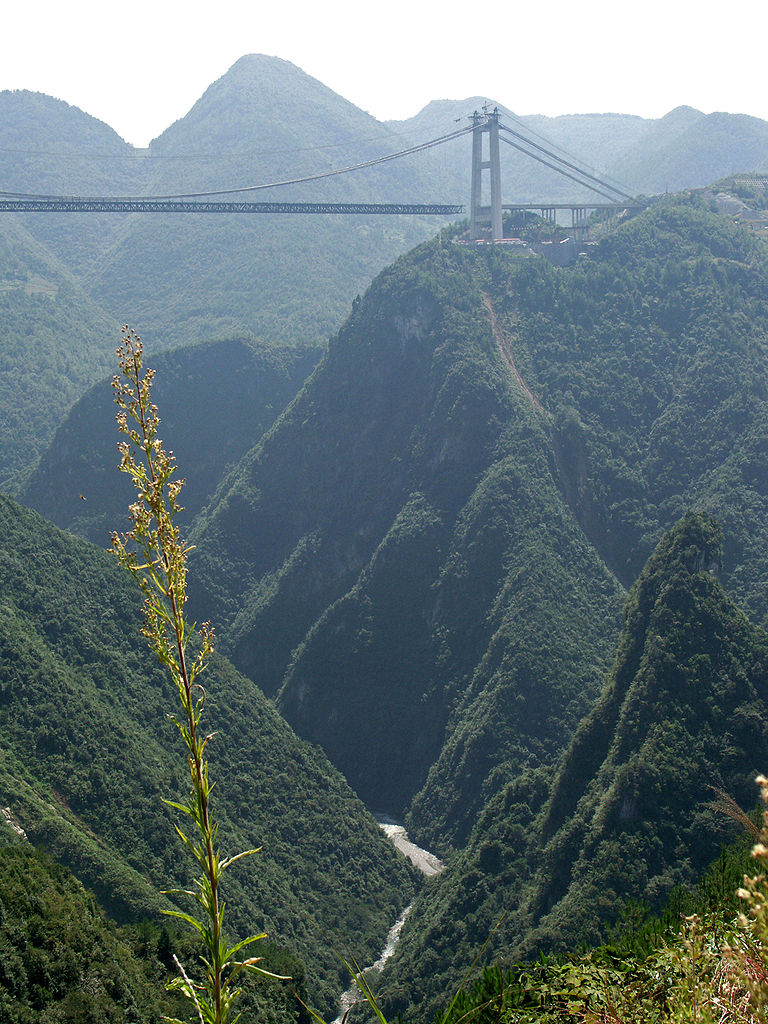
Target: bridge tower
<point x="484" y="219"/>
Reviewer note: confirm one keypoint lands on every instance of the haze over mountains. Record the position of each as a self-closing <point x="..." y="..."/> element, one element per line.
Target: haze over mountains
<point x="415" y="542"/>
<point x="183" y="279"/>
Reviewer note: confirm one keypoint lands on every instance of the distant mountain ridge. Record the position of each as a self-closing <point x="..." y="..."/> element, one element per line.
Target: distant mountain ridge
<point x="186" y="279"/>
<point x="193" y="278"/>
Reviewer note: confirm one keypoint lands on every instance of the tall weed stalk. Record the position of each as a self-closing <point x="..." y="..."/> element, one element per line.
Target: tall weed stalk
<point x="154" y="553"/>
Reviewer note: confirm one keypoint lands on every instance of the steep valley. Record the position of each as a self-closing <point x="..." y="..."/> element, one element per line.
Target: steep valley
<point x="491" y="562"/>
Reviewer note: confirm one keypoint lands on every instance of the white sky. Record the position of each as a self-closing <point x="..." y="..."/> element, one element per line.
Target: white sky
<point x="139" y="66"/>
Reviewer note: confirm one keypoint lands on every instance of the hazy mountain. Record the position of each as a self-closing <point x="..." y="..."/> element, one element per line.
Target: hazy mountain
<point x="286" y="278"/>
<point x="593" y="140"/>
<point x="683" y="149"/>
<point x="687" y="148"/>
<point x="181" y="279"/>
<point x="236" y="388"/>
<point x="184" y="278"/>
<point x="54" y="343"/>
<point x="51" y="147"/>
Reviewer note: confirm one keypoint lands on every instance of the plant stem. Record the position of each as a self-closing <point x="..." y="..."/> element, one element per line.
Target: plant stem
<point x="161" y="573"/>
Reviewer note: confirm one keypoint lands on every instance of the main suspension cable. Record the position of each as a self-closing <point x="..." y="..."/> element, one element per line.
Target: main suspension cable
<point x="559" y="170"/>
<point x="421" y="147"/>
<point x="560" y="151"/>
<point x="566" y="163"/>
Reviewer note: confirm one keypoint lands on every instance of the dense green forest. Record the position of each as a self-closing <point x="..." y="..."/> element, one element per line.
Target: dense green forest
<point x="650" y="357"/>
<point x="417" y="480"/>
<point x="62" y="960"/>
<point x="49" y="930"/>
<point x="631" y="811"/>
<point x="88" y="753"/>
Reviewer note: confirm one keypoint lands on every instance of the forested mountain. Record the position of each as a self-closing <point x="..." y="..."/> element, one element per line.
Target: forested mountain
<point x="54" y="343"/>
<point x="483" y="438"/>
<point x="236" y="389"/>
<point x="631" y="811"/>
<point x="651" y="355"/>
<point x="88" y="752"/>
<point x="412" y="482"/>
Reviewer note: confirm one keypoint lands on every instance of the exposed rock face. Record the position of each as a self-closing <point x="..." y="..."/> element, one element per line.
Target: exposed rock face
<point x="12" y="823"/>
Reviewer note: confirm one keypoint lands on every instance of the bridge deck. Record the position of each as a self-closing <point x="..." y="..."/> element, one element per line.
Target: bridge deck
<point x="96" y="205"/>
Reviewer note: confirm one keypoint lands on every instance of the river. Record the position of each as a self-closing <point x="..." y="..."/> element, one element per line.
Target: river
<point x="429" y="865"/>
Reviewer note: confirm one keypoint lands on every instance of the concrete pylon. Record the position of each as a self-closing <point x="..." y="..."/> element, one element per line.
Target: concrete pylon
<point x="485" y="220"/>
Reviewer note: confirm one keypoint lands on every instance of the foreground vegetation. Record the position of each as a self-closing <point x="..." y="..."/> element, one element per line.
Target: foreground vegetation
<point x="704" y="960"/>
<point x="63" y="961"/>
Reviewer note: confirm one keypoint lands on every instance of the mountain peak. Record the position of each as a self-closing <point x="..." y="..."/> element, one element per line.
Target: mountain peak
<point x="268" y="97"/>
<point x="682" y="115"/>
<point x="265" y="66"/>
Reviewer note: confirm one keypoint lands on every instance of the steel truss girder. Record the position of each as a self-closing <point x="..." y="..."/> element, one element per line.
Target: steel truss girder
<point x="75" y="205"/>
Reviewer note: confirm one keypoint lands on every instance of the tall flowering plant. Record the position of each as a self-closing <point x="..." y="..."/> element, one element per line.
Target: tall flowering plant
<point x="154" y="553"/>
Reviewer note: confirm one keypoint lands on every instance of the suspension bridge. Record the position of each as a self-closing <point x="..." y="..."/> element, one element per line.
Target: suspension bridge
<point x="487" y="131"/>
